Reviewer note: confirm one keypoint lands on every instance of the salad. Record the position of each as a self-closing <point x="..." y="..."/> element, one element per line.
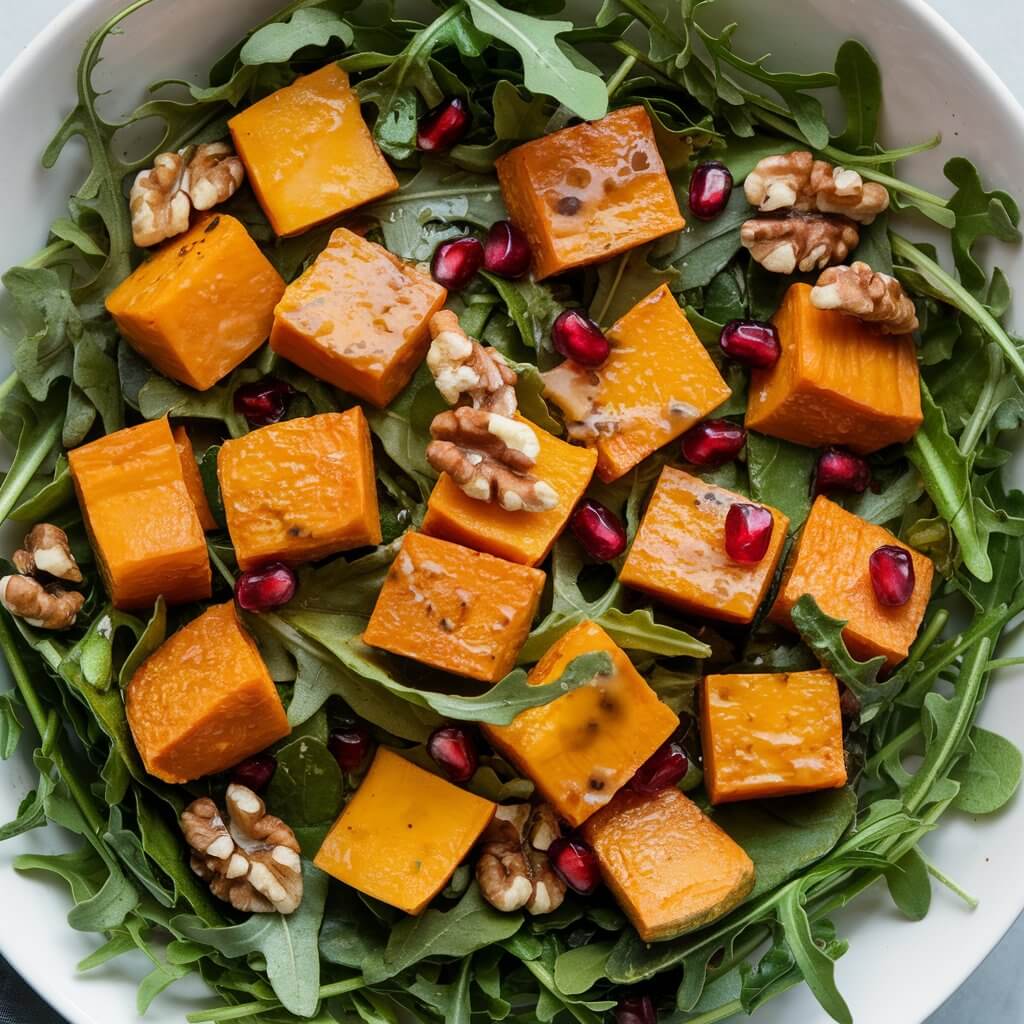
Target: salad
<point x="514" y="523"/>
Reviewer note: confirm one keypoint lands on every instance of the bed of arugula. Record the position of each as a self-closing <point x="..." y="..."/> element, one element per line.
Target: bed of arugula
<point x="343" y="956"/>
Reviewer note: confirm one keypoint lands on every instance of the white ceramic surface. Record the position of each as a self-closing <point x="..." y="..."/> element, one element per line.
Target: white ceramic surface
<point x="895" y="973"/>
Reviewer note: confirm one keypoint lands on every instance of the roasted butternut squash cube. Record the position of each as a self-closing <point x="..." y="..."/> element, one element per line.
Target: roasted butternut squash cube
<point x="308" y="152"/>
<point x="204" y="700"/>
<point x="358" y="318"/>
<point x="201" y="304"/>
<point x="830" y="562"/>
<point x="193" y="481"/>
<point x="679" y="553"/>
<point x="403" y="834"/>
<point x="773" y="734"/>
<point x="141" y="518"/>
<point x="839" y="381"/>
<point x="581" y="749"/>
<point x="587" y="193"/>
<point x="300" y="490"/>
<point x="671" y="868"/>
<point x="658" y="381"/>
<point x="456" y="609"/>
<point x="524" y="537"/>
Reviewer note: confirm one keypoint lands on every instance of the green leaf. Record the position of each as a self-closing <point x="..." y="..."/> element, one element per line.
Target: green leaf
<point x="109" y="907"/>
<point x="518" y="119"/>
<point x="532" y="307"/>
<point x="637" y="631"/>
<point x="703" y="248"/>
<point x="36" y="430"/>
<point x="128" y="846"/>
<point x="780" y="475"/>
<point x="151" y="637"/>
<point x="860" y="86"/>
<point x="624" y="281"/>
<point x="989" y="775"/>
<point x="910" y="886"/>
<point x="307" y="787"/>
<point x="278" y="42"/>
<point x="10" y="723"/>
<point x="578" y="970"/>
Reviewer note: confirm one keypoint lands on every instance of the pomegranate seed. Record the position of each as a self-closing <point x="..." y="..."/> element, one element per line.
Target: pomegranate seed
<point x="577" y="337"/>
<point x="710" y="188"/>
<point x="635" y="1010"/>
<point x="349" y="743"/>
<point x="748" y="532"/>
<point x="443" y="126"/>
<point x="260" y="590"/>
<point x="255" y="772"/>
<point x="599" y="530"/>
<point x="662" y="770"/>
<point x="892" y="575"/>
<point x="506" y="251"/>
<point x="751" y="343"/>
<point x="454" y="752"/>
<point x="575" y="863"/>
<point x="841" y="471"/>
<point x="457" y="261"/>
<point x="264" y="401"/>
<point x="713" y="443"/>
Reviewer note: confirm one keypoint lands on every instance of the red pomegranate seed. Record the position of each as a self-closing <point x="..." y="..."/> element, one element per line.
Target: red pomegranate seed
<point x="713" y="443"/>
<point x="748" y="532"/>
<point x="635" y="1010"/>
<point x="255" y="772"/>
<point x="454" y="752"/>
<point x="751" y="343"/>
<point x="710" y="188"/>
<point x="264" y="401"/>
<point x="576" y="864"/>
<point x="662" y="770"/>
<point x="892" y="575"/>
<point x="598" y="529"/>
<point x="506" y="251"/>
<point x="349" y="743"/>
<point x="456" y="262"/>
<point x="442" y="127"/>
<point x="841" y="471"/>
<point x="578" y="338"/>
<point x="260" y="590"/>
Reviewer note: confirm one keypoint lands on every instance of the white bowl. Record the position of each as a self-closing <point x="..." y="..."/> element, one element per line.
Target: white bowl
<point x="895" y="972"/>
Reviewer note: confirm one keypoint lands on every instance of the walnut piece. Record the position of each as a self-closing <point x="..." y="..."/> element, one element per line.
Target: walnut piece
<point x="489" y="456"/>
<point x="804" y="241"/>
<point x="861" y="292"/>
<point x="45" y="607"/>
<point x="46" y="550"/>
<point x="252" y="861"/>
<point x="214" y="175"/>
<point x="513" y="869"/>
<point x="796" y="181"/>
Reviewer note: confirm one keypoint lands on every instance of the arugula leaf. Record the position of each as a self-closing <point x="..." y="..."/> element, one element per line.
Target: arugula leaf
<point x="36" y="429"/>
<point x="637" y="631"/>
<point x="989" y="775"/>
<point x="307" y="786"/>
<point x="860" y="86"/>
<point x="703" y="248"/>
<point x="780" y="475"/>
<point x="624" y="281"/>
<point x="278" y="42"/>
<point x="533" y="308"/>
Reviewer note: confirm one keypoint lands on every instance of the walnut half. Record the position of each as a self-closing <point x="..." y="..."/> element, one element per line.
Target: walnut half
<point x="799" y="241"/>
<point x="43" y="603"/>
<point x="859" y="291"/>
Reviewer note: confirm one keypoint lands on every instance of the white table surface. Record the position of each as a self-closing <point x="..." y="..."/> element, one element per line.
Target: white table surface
<point x="994" y="993"/>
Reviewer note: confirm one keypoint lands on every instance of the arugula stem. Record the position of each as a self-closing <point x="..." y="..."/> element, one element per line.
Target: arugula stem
<point x="221" y="567"/>
<point x="628" y="50"/>
<point x="46" y="254"/>
<point x="20" y="474"/>
<point x="723" y="1012"/>
<point x="1004" y="663"/>
<point x="943" y="879"/>
<point x="335" y="988"/>
<point x="987" y="403"/>
<point x="620" y="74"/>
<point x="8" y="385"/>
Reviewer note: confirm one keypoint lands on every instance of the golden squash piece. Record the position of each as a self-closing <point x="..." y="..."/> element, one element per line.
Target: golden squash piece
<point x="679" y="553"/>
<point x="456" y="609"/>
<point x="201" y="304"/>
<point x="193" y="481"/>
<point x="671" y="868"/>
<point x="590" y="192"/>
<point x="580" y="749"/>
<point x="141" y="517"/>
<point x="403" y="834"/>
<point x="830" y="562"/>
<point x="358" y="318"/>
<point x="839" y="381"/>
<point x="771" y="734"/>
<point x="300" y="490"/>
<point x="658" y="381"/>
<point x="204" y="700"/>
<point x="308" y="152"/>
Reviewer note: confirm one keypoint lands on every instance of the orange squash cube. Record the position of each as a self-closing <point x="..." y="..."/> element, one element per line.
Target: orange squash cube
<point x="308" y="152"/>
<point x="839" y="381"/>
<point x="456" y="609"/>
<point x="524" y="537"/>
<point x="581" y="749"/>
<point x="773" y="734"/>
<point x="403" y="834"/>
<point x="358" y="318"/>
<point x="830" y="562"/>
<point x="201" y="304"/>
<point x="193" y="481"/>
<point x="658" y="381"/>
<point x="671" y="868"/>
<point x="587" y="193"/>
<point x="141" y="518"/>
<point x="300" y="490"/>
<point x="679" y="553"/>
<point x="204" y="700"/>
